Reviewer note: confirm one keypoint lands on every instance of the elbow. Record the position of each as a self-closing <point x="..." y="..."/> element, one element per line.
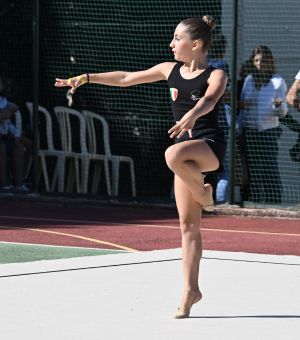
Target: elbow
<point x="125" y="81"/>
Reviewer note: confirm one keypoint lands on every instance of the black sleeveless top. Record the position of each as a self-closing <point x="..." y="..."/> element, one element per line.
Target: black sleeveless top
<point x="185" y="94"/>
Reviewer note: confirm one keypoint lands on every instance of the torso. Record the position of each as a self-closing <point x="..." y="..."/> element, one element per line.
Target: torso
<point x="185" y="92"/>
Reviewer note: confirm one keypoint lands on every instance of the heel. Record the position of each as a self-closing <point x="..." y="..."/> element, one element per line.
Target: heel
<point x="183" y="312"/>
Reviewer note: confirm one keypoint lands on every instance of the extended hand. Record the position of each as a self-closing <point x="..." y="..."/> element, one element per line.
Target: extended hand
<point x="72" y="82"/>
<point x="185" y="124"/>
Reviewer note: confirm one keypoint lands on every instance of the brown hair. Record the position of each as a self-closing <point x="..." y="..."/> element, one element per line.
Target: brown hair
<point x="262" y="79"/>
<point x="201" y="29"/>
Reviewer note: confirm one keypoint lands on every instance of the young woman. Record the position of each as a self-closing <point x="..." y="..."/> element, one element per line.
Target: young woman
<point x="199" y="145"/>
<point x="262" y="103"/>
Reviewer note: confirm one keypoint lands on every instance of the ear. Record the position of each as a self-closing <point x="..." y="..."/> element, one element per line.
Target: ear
<point x="197" y="45"/>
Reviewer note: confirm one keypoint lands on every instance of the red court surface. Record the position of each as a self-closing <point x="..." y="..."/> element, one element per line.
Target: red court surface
<point x="140" y="228"/>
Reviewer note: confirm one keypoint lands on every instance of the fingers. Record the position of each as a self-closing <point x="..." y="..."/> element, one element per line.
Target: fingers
<point x="174" y="131"/>
<point x="181" y="133"/>
<point x="61" y="82"/>
<point x="73" y="88"/>
<point x="73" y="82"/>
<point x="67" y="82"/>
<point x="178" y="131"/>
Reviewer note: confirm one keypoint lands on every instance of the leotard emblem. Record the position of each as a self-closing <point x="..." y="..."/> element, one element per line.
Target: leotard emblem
<point x="173" y="93"/>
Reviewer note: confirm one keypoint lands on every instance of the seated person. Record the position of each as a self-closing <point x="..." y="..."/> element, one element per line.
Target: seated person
<point x="11" y="146"/>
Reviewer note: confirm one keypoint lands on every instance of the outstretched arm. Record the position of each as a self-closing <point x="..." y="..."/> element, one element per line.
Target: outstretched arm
<point x="217" y="85"/>
<point x="119" y="78"/>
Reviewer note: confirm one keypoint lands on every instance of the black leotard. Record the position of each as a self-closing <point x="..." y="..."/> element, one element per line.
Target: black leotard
<point x="185" y="94"/>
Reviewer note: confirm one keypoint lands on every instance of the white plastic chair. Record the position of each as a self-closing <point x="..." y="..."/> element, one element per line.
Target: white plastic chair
<point x="114" y="159"/>
<point x="49" y="152"/>
<point x="18" y="120"/>
<point x="66" y="130"/>
<point x="95" y="155"/>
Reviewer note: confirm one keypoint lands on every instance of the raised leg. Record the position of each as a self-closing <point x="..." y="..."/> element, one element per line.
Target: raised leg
<point x="188" y="160"/>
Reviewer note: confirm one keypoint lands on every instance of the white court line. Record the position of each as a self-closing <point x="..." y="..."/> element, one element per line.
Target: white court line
<point x="58" y="246"/>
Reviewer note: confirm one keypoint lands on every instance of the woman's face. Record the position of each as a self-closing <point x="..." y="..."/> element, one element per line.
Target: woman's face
<point x="260" y="62"/>
<point x="182" y="45"/>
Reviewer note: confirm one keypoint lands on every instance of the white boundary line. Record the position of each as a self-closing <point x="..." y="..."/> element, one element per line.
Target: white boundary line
<point x="69" y="247"/>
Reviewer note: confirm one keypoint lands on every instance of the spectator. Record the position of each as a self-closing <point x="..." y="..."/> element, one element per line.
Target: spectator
<point x="292" y="96"/>
<point x="262" y="104"/>
<point x="11" y="145"/>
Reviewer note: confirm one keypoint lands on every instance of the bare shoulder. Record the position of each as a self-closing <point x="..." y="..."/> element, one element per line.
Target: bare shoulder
<point x="217" y="75"/>
<point x="165" y="68"/>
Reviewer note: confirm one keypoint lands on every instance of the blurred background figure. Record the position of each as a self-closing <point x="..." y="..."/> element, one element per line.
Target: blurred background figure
<point x="262" y="103"/>
<point x="292" y="96"/>
<point x="12" y="144"/>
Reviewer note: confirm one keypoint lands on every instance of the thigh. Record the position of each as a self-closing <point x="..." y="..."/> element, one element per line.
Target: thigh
<point x="197" y="151"/>
<point x="189" y="209"/>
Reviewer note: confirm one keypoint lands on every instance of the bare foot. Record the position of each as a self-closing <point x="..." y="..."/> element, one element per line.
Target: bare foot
<point x="191" y="297"/>
<point x="205" y="197"/>
<point x="208" y="204"/>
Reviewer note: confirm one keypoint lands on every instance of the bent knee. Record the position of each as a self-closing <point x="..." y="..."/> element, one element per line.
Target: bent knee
<point x="172" y="156"/>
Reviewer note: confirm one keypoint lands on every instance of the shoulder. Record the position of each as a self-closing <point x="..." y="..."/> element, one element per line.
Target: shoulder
<point x="165" y="68"/>
<point x="219" y="64"/>
<point x="216" y="74"/>
<point x="277" y="81"/>
<point x="248" y="80"/>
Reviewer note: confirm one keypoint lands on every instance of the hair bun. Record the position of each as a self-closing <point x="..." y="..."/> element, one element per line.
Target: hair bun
<point x="210" y="21"/>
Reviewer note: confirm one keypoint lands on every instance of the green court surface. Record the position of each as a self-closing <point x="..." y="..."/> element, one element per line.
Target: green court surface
<point x="17" y="252"/>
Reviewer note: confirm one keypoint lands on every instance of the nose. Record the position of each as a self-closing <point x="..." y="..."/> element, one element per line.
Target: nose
<point x="172" y="43"/>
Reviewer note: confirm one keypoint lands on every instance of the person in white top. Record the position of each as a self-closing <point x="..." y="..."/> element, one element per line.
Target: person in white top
<point x="292" y="96"/>
<point x="262" y="103"/>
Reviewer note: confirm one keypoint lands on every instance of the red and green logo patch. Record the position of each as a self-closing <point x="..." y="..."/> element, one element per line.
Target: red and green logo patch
<point x="173" y="93"/>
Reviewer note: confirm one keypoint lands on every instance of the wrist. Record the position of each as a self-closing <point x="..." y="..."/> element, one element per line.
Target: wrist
<point x="194" y="114"/>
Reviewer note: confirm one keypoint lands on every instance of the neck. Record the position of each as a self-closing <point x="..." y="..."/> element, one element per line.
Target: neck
<point x="196" y="64"/>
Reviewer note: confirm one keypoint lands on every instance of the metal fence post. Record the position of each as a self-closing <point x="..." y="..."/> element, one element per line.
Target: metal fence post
<point x="233" y="101"/>
<point x="35" y="73"/>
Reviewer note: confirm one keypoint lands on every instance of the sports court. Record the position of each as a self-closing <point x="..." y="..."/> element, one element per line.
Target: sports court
<point x="90" y="242"/>
<point x="115" y="272"/>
